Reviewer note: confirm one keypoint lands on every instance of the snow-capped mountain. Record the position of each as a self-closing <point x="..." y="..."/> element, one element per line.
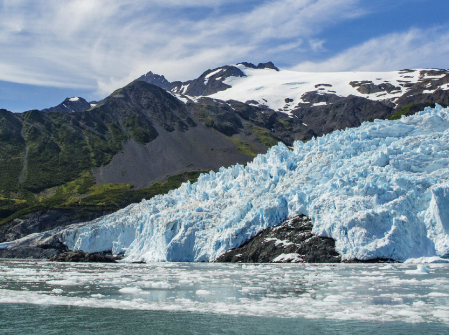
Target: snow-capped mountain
<point x="286" y="91"/>
<point x="380" y="190"/>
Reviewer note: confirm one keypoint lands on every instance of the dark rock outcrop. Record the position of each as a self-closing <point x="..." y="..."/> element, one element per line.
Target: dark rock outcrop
<point x="338" y="113"/>
<point x="368" y="87"/>
<point x="155" y="79"/>
<point x="268" y="65"/>
<point x="210" y="82"/>
<point x="81" y="256"/>
<point x="292" y="241"/>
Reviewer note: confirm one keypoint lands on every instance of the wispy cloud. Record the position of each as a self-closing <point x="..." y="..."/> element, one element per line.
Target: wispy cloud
<point x="100" y="44"/>
<point x="411" y="49"/>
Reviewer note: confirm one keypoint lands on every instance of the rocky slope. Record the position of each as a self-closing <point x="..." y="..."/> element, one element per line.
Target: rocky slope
<point x="290" y="242"/>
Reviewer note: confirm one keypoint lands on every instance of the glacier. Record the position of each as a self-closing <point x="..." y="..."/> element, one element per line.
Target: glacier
<point x="380" y="190"/>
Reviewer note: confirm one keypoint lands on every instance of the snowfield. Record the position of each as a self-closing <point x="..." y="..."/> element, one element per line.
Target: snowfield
<point x="380" y="190"/>
<point x="271" y="88"/>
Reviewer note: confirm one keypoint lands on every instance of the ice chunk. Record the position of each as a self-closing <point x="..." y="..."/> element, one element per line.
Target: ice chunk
<point x="130" y="290"/>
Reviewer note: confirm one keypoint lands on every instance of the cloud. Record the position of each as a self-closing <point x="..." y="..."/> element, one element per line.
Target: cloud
<point x="100" y="45"/>
<point x="415" y="48"/>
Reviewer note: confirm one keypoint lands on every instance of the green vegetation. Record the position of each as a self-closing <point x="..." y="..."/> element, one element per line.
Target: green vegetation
<point x="246" y="148"/>
<point x="140" y="130"/>
<point x="12" y="152"/>
<point x="82" y="196"/>
<point x="410" y="109"/>
<point x="265" y="136"/>
<point x="61" y="146"/>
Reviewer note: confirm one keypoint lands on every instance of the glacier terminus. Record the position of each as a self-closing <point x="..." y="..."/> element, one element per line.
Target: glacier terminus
<point x="380" y="190"/>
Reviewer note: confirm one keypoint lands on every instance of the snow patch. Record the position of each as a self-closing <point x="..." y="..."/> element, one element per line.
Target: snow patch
<point x="206" y="79"/>
<point x="74" y="99"/>
<point x="323" y="103"/>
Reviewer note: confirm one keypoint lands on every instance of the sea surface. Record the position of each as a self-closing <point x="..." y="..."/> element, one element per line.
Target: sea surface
<point x="38" y="297"/>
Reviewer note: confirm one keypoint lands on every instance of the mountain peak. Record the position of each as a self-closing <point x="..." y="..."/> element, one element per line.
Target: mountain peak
<point x="155" y="79"/>
<point x="70" y="105"/>
<point x="267" y="65"/>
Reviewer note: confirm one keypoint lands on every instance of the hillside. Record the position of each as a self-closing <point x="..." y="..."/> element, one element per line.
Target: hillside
<point x="137" y="136"/>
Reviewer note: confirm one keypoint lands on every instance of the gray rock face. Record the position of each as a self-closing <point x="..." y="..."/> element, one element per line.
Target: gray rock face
<point x="339" y="113"/>
<point x="291" y="241"/>
<point x="155" y="79"/>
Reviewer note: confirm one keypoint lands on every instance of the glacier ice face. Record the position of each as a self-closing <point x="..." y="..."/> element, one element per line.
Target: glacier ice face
<point x="380" y="190"/>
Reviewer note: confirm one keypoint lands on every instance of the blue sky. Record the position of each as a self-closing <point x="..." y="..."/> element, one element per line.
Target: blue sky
<point x="53" y="49"/>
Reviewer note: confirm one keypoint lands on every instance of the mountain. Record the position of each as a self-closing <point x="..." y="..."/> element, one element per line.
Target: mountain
<point x="87" y="163"/>
<point x="316" y="103"/>
<point x="70" y="105"/>
<point x="79" y="160"/>
<point x="210" y="82"/>
<point x="380" y="191"/>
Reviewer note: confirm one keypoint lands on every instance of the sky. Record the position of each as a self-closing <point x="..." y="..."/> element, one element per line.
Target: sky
<point x="53" y="49"/>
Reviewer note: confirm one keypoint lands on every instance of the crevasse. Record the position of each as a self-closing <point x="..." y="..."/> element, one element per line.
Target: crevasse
<point x="380" y="190"/>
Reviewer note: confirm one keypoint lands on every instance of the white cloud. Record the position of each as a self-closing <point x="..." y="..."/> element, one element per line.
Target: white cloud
<point x="101" y="44"/>
<point x="411" y="49"/>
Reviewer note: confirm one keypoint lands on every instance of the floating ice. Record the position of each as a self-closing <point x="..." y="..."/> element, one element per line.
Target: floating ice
<point x="339" y="292"/>
<point x="420" y="260"/>
<point x="420" y="269"/>
<point x="130" y="290"/>
<point x="380" y="190"/>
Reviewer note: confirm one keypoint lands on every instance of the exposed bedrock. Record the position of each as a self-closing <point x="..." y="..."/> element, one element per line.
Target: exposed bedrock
<point x="292" y="241"/>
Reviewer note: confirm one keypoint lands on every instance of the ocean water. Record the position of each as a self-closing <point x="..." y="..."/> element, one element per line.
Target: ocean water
<point x="39" y="297"/>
